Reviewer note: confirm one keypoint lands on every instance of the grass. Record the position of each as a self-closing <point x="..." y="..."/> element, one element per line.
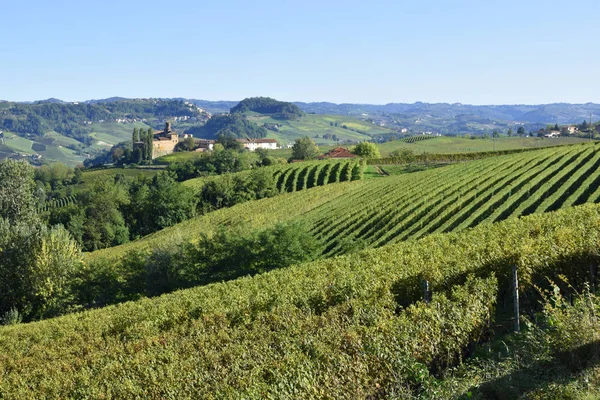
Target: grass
<point x="448" y="144"/>
<point x="17" y="143"/>
<point x="113" y="133"/>
<point x="181" y="156"/>
<point x="312" y="124"/>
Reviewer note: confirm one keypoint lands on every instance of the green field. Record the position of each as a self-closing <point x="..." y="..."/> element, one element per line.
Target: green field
<point x="18" y="144"/>
<point x="311" y="125"/>
<point x="181" y="156"/>
<point x="113" y="133"/>
<point x="449" y="144"/>
<point x="92" y="176"/>
<point x="375" y="212"/>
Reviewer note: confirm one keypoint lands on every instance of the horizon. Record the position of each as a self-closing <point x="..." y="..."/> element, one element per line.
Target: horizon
<point x="434" y="51"/>
<point x="292" y="101"/>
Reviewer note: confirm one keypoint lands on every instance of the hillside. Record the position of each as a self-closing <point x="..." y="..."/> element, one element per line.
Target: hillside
<point x="268" y="106"/>
<point x="372" y="213"/>
<point x="453" y="145"/>
<point x="323" y="129"/>
<point x="349" y="327"/>
<point x="72" y="132"/>
<point x="53" y="130"/>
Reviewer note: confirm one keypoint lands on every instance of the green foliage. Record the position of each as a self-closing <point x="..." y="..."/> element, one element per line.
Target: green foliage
<point x="234" y="125"/>
<point x="229" y="253"/>
<point x="266" y="105"/>
<point x="304" y="149"/>
<point x="68" y="119"/>
<point x="327" y="328"/>
<point x="11" y="317"/>
<point x="404" y="156"/>
<point x="96" y="221"/>
<point x="17" y="202"/>
<point x="37" y="268"/>
<point x="366" y="150"/>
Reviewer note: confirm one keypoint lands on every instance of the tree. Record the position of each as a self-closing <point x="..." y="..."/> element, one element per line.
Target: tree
<point x="366" y="150"/>
<point x="117" y="154"/>
<point x="521" y="131"/>
<point x="404" y="155"/>
<point x="584" y="125"/>
<point x="556" y="127"/>
<point x="136" y="137"/>
<point x="230" y="142"/>
<point x="304" y="149"/>
<point x="495" y="134"/>
<point x="510" y="132"/>
<point x="17" y="186"/>
<point x="149" y="144"/>
<point x="169" y="202"/>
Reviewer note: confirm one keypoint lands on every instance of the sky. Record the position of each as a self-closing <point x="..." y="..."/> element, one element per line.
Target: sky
<point x="377" y="51"/>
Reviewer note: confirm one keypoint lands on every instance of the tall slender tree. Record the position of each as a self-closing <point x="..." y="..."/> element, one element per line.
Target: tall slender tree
<point x="149" y="146"/>
<point x="135" y="137"/>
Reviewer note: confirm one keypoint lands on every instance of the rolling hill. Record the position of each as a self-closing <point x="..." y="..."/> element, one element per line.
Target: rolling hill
<point x="375" y="212"/>
<point x="410" y="300"/>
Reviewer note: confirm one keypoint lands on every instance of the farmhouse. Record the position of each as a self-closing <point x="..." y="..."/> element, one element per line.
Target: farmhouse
<point x="204" y="144"/>
<point x="338" y="152"/>
<point x="253" y="144"/>
<point x="552" y="134"/>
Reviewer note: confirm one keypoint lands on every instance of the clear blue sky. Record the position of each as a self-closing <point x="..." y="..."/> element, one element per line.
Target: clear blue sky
<point x="468" y="51"/>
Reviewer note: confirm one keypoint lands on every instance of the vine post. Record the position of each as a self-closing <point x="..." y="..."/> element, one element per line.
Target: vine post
<point x="515" y="287"/>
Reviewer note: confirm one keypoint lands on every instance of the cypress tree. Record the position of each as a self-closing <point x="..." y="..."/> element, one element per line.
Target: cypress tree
<point x="149" y="140"/>
<point x="135" y="137"/>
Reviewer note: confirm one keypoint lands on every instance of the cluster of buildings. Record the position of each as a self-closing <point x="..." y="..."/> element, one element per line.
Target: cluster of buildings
<point x="165" y="141"/>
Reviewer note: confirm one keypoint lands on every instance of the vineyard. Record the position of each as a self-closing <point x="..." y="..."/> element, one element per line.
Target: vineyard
<point x="415" y="139"/>
<point x="410" y="206"/>
<point x="299" y="176"/>
<point x="347" y="327"/>
<point x="58" y="203"/>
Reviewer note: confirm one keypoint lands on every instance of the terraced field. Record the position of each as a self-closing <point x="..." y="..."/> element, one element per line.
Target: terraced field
<point x="409" y="206"/>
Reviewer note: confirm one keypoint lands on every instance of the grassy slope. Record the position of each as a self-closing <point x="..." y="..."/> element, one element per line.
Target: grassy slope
<point x="448" y="144"/>
<point x="296" y="325"/>
<point x="254" y="214"/>
<point x="313" y="124"/>
<point x="408" y="206"/>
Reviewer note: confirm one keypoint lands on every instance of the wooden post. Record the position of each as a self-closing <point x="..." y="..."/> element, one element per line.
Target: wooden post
<point x="426" y="294"/>
<point x="515" y="284"/>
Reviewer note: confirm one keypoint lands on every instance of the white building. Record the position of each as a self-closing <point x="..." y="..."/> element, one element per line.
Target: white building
<point x="253" y="144"/>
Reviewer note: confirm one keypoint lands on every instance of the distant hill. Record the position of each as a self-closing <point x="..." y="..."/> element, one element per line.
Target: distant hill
<point x="234" y="125"/>
<point x="561" y="113"/>
<point x="71" y="132"/>
<point x="268" y="106"/>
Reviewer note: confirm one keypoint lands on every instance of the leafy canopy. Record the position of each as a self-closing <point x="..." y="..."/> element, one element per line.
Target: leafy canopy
<point x="367" y="150"/>
<point x="305" y="149"/>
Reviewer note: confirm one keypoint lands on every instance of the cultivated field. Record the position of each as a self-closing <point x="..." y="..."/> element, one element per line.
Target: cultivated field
<point x="375" y="212"/>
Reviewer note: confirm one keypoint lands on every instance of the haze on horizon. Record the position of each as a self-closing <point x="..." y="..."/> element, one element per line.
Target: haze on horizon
<point x="378" y="52"/>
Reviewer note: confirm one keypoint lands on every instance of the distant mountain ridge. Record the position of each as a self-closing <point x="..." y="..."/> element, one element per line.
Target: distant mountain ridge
<point x="561" y="113"/>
